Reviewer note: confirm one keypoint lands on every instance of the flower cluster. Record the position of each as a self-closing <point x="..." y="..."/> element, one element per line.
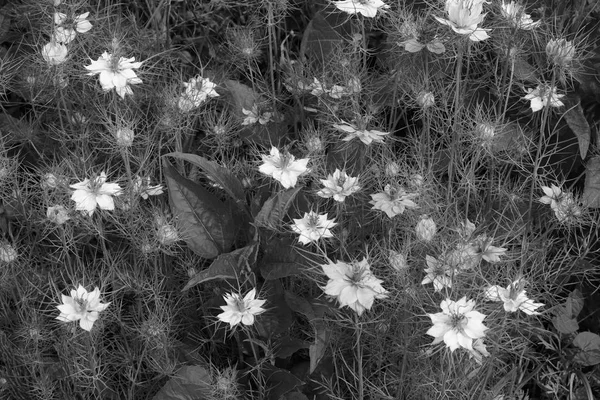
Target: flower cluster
<point x="65" y="30"/>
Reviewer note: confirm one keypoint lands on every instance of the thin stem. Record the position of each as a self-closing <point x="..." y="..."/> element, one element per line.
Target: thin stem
<point x="359" y="358"/>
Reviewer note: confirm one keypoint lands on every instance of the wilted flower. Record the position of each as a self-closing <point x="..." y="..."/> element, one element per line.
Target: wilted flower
<point x="8" y="253"/>
<point x="115" y="73"/>
<point x="552" y="195"/>
<point x="425" y="99"/>
<point x="313" y="227"/>
<point x="124" y="137"/>
<point x="142" y="187"/>
<point x="284" y="168"/>
<point x="314" y="144"/>
<point x="339" y="186"/>
<point x="486" y="251"/>
<point x="426" y="228"/>
<point x="365" y="136"/>
<point x="50" y="181"/>
<point x="514" y="298"/>
<point x="458" y="325"/>
<point x="58" y="214"/>
<point x="397" y="261"/>
<point x="479" y="351"/>
<point x="354" y="285"/>
<point x="392" y="169"/>
<point x="240" y="309"/>
<point x="439" y="273"/>
<point x="561" y="52"/>
<point x="82" y="306"/>
<point x="367" y="8"/>
<point x="66" y="34"/>
<point x="393" y="201"/>
<point x="197" y="91"/>
<point x="96" y="192"/>
<point x="166" y="233"/>
<point x="253" y="116"/>
<point x="542" y="96"/>
<point x="55" y="53"/>
<point x="515" y="14"/>
<point x="463" y="18"/>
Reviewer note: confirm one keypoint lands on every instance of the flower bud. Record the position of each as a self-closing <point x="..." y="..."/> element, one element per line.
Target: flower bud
<point x="8" y="253"/>
<point x="50" y="181"/>
<point x="124" y="137"/>
<point x="398" y="261"/>
<point x="58" y="214"/>
<point x="167" y="234"/>
<point x="426" y="229"/>
<point x="561" y="52"/>
<point x="425" y="99"/>
<point x="392" y="169"/>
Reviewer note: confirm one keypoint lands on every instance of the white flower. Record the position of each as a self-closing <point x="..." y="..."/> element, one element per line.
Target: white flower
<point x="55" y="53"/>
<point x="458" y="325"/>
<point x="339" y="186"/>
<point x="82" y="306"/>
<point x="313" y="227"/>
<point x="542" y="96"/>
<point x="365" y="136"/>
<point x="561" y="52"/>
<point x="393" y="201"/>
<point x="284" y="168"/>
<point x="253" y="116"/>
<point x="552" y="195"/>
<point x="426" y="228"/>
<point x="66" y="34"/>
<point x="367" y="8"/>
<point x="8" y="253"/>
<point x="240" y="309"/>
<point x="58" y="214"/>
<point x="567" y="208"/>
<point x="439" y="273"/>
<point x="486" y="251"/>
<point x="117" y="74"/>
<point x="142" y="187"/>
<point x="397" y="261"/>
<point x="425" y="99"/>
<point x="166" y="234"/>
<point x="354" y="285"/>
<point x="96" y="192"/>
<point x="197" y="91"/>
<point x="479" y="351"/>
<point x="514" y="298"/>
<point x="464" y="17"/>
<point x="464" y="257"/>
<point x="515" y="14"/>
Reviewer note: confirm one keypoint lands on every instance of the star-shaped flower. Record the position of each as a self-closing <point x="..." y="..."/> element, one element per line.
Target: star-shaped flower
<point x="365" y="136"/>
<point x="115" y="73"/>
<point x="393" y="201"/>
<point x="82" y="306"/>
<point x="464" y="17"/>
<point x="313" y="227"/>
<point x="65" y="33"/>
<point x="367" y="8"/>
<point x="240" y="309"/>
<point x="439" y="273"/>
<point x="514" y="298"/>
<point x="284" y="168"/>
<point x="339" y="186"/>
<point x="90" y="194"/>
<point x="542" y="96"/>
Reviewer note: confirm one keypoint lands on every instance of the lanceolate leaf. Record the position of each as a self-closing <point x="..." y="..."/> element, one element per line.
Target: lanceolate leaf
<point x="190" y="382"/>
<point x="579" y="125"/>
<point x="218" y="174"/>
<point x="226" y="266"/>
<point x="591" y="190"/>
<point x="275" y="209"/>
<point x="206" y="223"/>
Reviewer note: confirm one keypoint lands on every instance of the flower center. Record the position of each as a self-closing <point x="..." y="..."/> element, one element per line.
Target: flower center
<point x="80" y="305"/>
<point x="341" y="181"/>
<point x="313" y="221"/>
<point x="457" y="321"/>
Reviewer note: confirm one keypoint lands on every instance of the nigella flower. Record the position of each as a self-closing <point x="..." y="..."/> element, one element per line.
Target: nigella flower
<point x="458" y="325"/>
<point x="197" y="91"/>
<point x="254" y="115"/>
<point x="82" y="306"/>
<point x="54" y="53"/>
<point x="486" y="251"/>
<point x="339" y="186"/>
<point x="412" y="45"/>
<point x="142" y="187"/>
<point x="542" y="96"/>
<point x="65" y="33"/>
<point x="515" y="14"/>
<point x="90" y="194"/>
<point x="284" y="168"/>
<point x="464" y="16"/>
<point x="240" y="309"/>
<point x="514" y="298"/>
<point x="367" y="8"/>
<point x="561" y="52"/>
<point x="354" y="285"/>
<point x="365" y="136"/>
<point x="439" y="273"/>
<point x="313" y="227"/>
<point x="58" y="214"/>
<point x="115" y="73"/>
<point x="393" y="201"/>
<point x="552" y="195"/>
<point x="562" y="203"/>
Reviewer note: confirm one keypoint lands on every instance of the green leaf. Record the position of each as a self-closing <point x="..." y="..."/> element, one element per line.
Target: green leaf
<point x="591" y="190"/>
<point x="575" y="303"/>
<point x="317" y="350"/>
<point x="191" y="382"/>
<point x="282" y="259"/>
<point x="275" y="209"/>
<point x="288" y="345"/>
<point x="226" y="266"/>
<point x="578" y="124"/>
<point x="589" y="343"/>
<point x="206" y="222"/>
<point x="563" y="323"/>
<point x="218" y="174"/>
<point x="279" y="382"/>
<point x="300" y="305"/>
<point x="322" y="36"/>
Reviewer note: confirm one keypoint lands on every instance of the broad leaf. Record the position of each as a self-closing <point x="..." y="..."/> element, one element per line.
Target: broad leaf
<point x="578" y="124"/>
<point x="287" y="346"/>
<point x="300" y="305"/>
<point x="589" y="343"/>
<point x="282" y="259"/>
<point x="275" y="209"/>
<point x="191" y="382"/>
<point x="218" y="174"/>
<point x="563" y="323"/>
<point x="279" y="382"/>
<point x="591" y="190"/>
<point x="323" y="35"/>
<point x="317" y="350"/>
<point x="226" y="266"/>
<point x="206" y="223"/>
